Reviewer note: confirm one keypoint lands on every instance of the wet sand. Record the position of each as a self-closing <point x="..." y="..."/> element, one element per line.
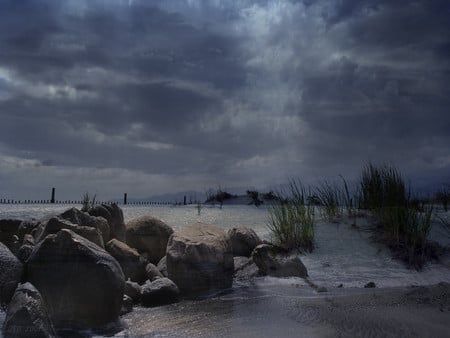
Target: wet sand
<point x="301" y="312"/>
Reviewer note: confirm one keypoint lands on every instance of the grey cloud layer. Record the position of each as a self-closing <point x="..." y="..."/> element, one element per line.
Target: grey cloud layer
<point x="230" y="91"/>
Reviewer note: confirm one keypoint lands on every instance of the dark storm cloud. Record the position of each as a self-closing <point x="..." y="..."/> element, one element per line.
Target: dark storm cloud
<point x="238" y="92"/>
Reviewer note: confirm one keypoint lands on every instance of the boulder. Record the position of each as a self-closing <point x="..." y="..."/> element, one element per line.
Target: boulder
<point x="11" y="270"/>
<point x="152" y="272"/>
<point x="81" y="218"/>
<point x="27" y="227"/>
<point x="27" y="315"/>
<point x="150" y="235"/>
<point x="55" y="224"/>
<point x="245" y="268"/>
<point x="133" y="290"/>
<point x="80" y="282"/>
<point x="114" y="216"/>
<point x="199" y="258"/>
<point x="127" y="305"/>
<point x="161" y="291"/>
<point x="8" y="232"/>
<point x="272" y="263"/>
<point x="25" y="252"/>
<point x="243" y="240"/>
<point x="162" y="266"/>
<point x="133" y="265"/>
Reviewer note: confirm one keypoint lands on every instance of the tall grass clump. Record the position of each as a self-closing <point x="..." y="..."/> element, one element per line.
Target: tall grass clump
<point x="348" y="199"/>
<point x="291" y="220"/>
<point x="88" y="201"/>
<point x="382" y="186"/>
<point x="329" y="197"/>
<point x="405" y="229"/>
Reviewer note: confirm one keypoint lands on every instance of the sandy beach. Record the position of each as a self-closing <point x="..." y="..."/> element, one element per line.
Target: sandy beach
<point x="300" y="312"/>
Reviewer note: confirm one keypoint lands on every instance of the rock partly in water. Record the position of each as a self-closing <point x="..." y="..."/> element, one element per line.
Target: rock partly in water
<point x="199" y="259"/>
<point x="114" y="216"/>
<point x="243" y="240"/>
<point x="80" y="282"/>
<point x="55" y="224"/>
<point x="133" y="265"/>
<point x="11" y="270"/>
<point x="148" y="235"/>
<point x="27" y="315"/>
<point x="152" y="272"/>
<point x="161" y="291"/>
<point x="271" y="263"/>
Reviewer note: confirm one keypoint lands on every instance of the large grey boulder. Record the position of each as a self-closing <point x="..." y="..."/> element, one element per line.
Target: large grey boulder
<point x="11" y="270"/>
<point x="55" y="224"/>
<point x="161" y="291"/>
<point x="199" y="258"/>
<point x="133" y="265"/>
<point x="114" y="216"/>
<point x="27" y="315"/>
<point x="270" y="262"/>
<point x="80" y="282"/>
<point x="243" y="240"/>
<point x="148" y="235"/>
<point x="81" y="218"/>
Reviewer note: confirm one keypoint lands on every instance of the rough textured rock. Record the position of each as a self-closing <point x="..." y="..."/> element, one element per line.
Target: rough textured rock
<point x="159" y="292"/>
<point x="133" y="265"/>
<point x="271" y="263"/>
<point x="152" y="272"/>
<point x="27" y="315"/>
<point x="243" y="240"/>
<point x="26" y="227"/>
<point x="127" y="305"/>
<point x="25" y="252"/>
<point x="150" y="235"/>
<point x="245" y="268"/>
<point x="8" y="232"/>
<point x="80" y="282"/>
<point x="55" y="224"/>
<point x="81" y="218"/>
<point x="133" y="290"/>
<point x="114" y="216"/>
<point x="199" y="258"/>
<point x="11" y="270"/>
<point x="162" y="266"/>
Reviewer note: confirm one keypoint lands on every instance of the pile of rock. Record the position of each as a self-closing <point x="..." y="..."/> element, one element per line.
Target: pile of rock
<point x="82" y="270"/>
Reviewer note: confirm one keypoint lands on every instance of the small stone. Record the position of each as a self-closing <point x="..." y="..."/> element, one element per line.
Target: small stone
<point x="370" y="285"/>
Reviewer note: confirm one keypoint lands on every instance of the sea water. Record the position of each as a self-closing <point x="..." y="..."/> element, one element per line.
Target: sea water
<point x="345" y="259"/>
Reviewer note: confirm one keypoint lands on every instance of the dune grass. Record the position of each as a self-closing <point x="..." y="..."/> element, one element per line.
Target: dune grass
<point x="291" y="222"/>
<point x="88" y="201"/>
<point x="329" y="197"/>
<point x="404" y="228"/>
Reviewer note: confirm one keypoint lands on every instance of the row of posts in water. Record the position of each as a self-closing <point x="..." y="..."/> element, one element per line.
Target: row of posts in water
<point x="54" y="201"/>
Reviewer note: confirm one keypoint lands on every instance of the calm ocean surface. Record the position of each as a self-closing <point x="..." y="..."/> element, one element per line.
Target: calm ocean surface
<point x="344" y="255"/>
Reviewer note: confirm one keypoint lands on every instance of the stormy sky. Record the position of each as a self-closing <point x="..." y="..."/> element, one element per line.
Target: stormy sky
<point x="151" y="97"/>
